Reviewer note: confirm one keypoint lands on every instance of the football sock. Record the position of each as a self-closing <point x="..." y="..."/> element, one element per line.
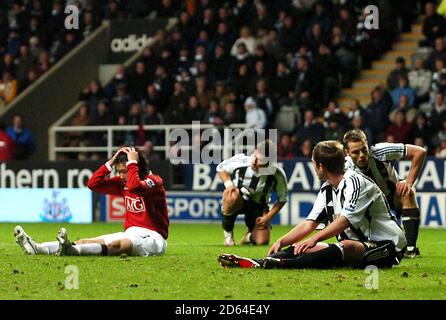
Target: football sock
<point x="228" y="222"/>
<point x="47" y="247"/>
<point x="88" y="249"/>
<point x="329" y="257"/>
<point x="411" y="223"/>
<point x="287" y="253"/>
<point x="228" y="234"/>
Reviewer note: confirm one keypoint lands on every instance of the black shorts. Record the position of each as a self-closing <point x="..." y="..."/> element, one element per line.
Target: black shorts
<point x="381" y="254"/>
<point x="252" y="210"/>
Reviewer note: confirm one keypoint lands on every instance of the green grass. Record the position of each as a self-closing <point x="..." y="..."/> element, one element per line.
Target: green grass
<point x="189" y="270"/>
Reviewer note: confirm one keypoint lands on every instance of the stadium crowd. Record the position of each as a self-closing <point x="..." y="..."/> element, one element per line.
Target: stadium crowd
<point x="270" y="64"/>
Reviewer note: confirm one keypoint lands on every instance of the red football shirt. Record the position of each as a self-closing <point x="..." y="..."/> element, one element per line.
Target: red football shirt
<point x="145" y="200"/>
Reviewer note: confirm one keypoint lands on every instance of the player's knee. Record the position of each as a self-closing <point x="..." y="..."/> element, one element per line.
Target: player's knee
<point x="114" y="247"/>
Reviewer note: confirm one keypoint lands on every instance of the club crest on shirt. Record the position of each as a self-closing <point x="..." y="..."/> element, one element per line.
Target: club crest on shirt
<point x="150" y="183"/>
<point x="134" y="205"/>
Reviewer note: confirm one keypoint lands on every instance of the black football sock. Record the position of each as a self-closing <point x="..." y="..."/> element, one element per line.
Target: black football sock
<point x="411" y="223"/>
<point x="323" y="259"/>
<point x="228" y="222"/>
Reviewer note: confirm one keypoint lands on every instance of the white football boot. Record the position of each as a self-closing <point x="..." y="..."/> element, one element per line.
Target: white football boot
<point x="25" y="242"/>
<point x="64" y="243"/>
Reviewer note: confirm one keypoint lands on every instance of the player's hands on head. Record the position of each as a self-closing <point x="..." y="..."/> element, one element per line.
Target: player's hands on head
<point x="115" y="156"/>
<point x="132" y="154"/>
<point x="403" y="188"/>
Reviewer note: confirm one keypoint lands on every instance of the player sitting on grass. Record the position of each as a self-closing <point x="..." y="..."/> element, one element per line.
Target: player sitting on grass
<point x="359" y="216"/>
<point x="146" y="220"/>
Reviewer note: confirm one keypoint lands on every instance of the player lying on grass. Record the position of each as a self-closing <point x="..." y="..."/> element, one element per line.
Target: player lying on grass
<point x="376" y="163"/>
<point x="358" y="214"/>
<point x="146" y="220"/>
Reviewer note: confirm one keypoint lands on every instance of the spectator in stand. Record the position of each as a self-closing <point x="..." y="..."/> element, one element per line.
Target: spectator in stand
<point x="264" y="101"/>
<point x="246" y="39"/>
<point x="24" y="63"/>
<point x="404" y="106"/>
<point x="422" y="129"/>
<point x="434" y="25"/>
<point x="213" y="114"/>
<point x="242" y="82"/>
<point x="309" y="129"/>
<point x="7" y="148"/>
<point x="8" y="89"/>
<point x="327" y="68"/>
<point x="436" y="111"/>
<point x="305" y="149"/>
<point x="401" y="130"/>
<point x="203" y="94"/>
<point x="135" y="114"/>
<point x="420" y="79"/>
<point x="8" y="64"/>
<point x="147" y="149"/>
<point x="194" y="111"/>
<point x="439" y="73"/>
<point x="439" y="52"/>
<point x="333" y="112"/>
<point x="230" y="114"/>
<point x="333" y="131"/>
<point x="376" y="116"/>
<point x="92" y="95"/>
<point x="43" y="63"/>
<point x="88" y="24"/>
<point x="440" y="151"/>
<point x="80" y="119"/>
<point x="286" y="148"/>
<point x="255" y="117"/>
<point x="22" y="137"/>
<point x="121" y="103"/>
<point x="283" y="81"/>
<point x="394" y="76"/>
<point x="403" y="89"/>
<point x="120" y="77"/>
<point x="65" y="45"/>
<point x="138" y="82"/>
<point x="355" y="109"/>
<point x="30" y="78"/>
<point x="305" y="77"/>
<point x="343" y="48"/>
<point x="113" y="11"/>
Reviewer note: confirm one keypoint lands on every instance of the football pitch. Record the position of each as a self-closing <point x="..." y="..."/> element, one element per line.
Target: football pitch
<point x="189" y="270"/>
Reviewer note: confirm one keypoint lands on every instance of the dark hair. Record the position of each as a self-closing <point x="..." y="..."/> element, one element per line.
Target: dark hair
<point x="331" y="155"/>
<point x="143" y="164"/>
<point x="355" y="135"/>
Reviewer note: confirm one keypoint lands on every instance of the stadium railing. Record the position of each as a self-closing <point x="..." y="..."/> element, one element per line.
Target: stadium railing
<point x="109" y="148"/>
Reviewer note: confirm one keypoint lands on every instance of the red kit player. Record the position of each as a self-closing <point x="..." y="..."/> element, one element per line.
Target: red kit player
<point x="146" y="220"/>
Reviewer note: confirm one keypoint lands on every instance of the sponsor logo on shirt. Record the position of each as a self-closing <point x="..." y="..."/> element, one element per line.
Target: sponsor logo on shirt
<point x="134" y="205"/>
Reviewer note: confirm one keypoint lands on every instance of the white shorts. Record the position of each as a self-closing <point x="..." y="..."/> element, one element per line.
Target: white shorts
<point x="145" y="242"/>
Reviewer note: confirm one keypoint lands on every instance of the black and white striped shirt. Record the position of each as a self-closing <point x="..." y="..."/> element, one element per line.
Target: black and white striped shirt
<point x="380" y="168"/>
<point x="362" y="203"/>
<point x="259" y="184"/>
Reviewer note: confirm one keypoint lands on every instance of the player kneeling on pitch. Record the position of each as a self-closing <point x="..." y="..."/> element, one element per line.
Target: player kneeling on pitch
<point x="146" y="219"/>
<point x="249" y="182"/>
<point x="358" y="214"/>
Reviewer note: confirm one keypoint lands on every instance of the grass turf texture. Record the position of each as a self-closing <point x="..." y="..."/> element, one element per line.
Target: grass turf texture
<point x="190" y="270"/>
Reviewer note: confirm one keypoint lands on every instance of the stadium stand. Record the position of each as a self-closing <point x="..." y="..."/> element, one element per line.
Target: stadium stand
<point x="286" y="56"/>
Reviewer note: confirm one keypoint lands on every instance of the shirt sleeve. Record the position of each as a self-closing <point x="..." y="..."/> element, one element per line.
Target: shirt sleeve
<point x="152" y="183"/>
<point x="389" y="151"/>
<point x="318" y="212"/>
<point x="281" y="186"/>
<point x="100" y="182"/>
<point x="354" y="194"/>
<point x="229" y="165"/>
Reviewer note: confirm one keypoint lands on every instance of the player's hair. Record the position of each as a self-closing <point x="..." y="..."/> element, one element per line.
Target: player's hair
<point x="355" y="135"/>
<point x="331" y="155"/>
<point x="265" y="148"/>
<point x="143" y="163"/>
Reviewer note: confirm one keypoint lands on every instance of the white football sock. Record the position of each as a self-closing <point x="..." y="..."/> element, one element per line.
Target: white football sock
<point x="47" y="247"/>
<point x="228" y="234"/>
<point x="87" y="249"/>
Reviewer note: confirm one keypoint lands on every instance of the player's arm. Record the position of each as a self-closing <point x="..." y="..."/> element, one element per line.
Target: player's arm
<point x="303" y="229"/>
<point x="417" y="155"/>
<point x="296" y="234"/>
<point x="282" y="197"/>
<point x="152" y="183"/>
<point x="351" y="214"/>
<point x="226" y="168"/>
<point x="332" y="230"/>
<point x="100" y="182"/>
